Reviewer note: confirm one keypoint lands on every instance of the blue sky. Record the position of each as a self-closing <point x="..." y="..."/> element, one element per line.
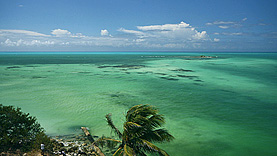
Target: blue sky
<point x="138" y="25"/>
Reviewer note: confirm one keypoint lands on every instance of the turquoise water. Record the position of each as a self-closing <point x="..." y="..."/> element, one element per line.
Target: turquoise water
<point x="226" y="105"/>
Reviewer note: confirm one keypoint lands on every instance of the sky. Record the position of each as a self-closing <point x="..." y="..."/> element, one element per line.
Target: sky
<point x="138" y="25"/>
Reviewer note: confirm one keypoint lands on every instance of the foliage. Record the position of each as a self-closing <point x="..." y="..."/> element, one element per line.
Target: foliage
<point x="142" y="126"/>
<point x="43" y="138"/>
<point x="108" y="142"/>
<point x="19" y="131"/>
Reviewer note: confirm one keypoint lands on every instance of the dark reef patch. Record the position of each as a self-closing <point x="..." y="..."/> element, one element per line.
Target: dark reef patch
<point x="186" y="76"/>
<point x="141" y="72"/>
<point x="160" y="73"/>
<point x="198" y="80"/>
<point x="124" y="66"/>
<point x="12" y="67"/>
<point x="31" y="66"/>
<point x="182" y="70"/>
<point x="84" y="72"/>
<point x="39" y="77"/>
<point x="169" y="78"/>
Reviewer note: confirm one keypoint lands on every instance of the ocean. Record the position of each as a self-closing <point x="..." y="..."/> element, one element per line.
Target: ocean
<point x="223" y="105"/>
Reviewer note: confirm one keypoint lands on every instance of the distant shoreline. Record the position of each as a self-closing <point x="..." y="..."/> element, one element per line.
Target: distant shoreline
<point x="125" y="52"/>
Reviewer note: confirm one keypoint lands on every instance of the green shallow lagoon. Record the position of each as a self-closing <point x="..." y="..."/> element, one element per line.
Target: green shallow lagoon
<point x="221" y="106"/>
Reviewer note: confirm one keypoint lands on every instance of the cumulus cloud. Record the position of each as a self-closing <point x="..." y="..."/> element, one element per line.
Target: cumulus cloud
<point x="8" y="42"/>
<point x="168" y="33"/>
<point x="104" y="32"/>
<point x="173" y="36"/>
<point x="21" y="42"/>
<point x="180" y="35"/>
<point x="58" y="38"/>
<point x="200" y="35"/>
<point x="60" y="32"/>
<point x="131" y="31"/>
<point x="165" y="27"/>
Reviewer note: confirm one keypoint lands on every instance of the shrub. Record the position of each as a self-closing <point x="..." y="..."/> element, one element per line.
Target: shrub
<point x="20" y="131"/>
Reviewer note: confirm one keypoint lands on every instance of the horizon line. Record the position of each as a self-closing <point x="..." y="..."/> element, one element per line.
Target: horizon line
<point x="147" y="51"/>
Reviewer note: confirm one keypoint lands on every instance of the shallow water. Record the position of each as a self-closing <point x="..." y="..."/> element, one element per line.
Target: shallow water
<point x="219" y="106"/>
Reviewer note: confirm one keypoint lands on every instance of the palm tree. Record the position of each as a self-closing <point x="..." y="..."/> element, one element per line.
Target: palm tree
<point x="142" y="126"/>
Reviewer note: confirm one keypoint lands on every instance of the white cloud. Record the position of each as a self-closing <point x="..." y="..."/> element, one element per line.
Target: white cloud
<point x="227" y="24"/>
<point x="229" y="34"/>
<point x="223" y="27"/>
<point x="60" y="33"/>
<point x="8" y="42"/>
<point x="131" y="31"/>
<point x="216" y="39"/>
<point x="104" y="32"/>
<point x="235" y="34"/>
<point x="23" y="32"/>
<point x="168" y="33"/>
<point x="22" y="42"/>
<point x="173" y="36"/>
<point x="180" y="35"/>
<point x="78" y="35"/>
<point x="220" y="23"/>
<point x="165" y="27"/>
<point x="232" y="34"/>
<point x="201" y="35"/>
<point x="139" y="40"/>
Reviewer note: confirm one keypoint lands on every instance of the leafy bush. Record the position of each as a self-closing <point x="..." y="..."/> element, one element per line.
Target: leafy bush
<point x="20" y="131"/>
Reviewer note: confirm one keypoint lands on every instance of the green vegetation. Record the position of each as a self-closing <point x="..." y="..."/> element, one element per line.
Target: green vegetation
<point x="142" y="126"/>
<point x="20" y="131"/>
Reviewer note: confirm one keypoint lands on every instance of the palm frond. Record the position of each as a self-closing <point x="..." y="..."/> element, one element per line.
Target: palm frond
<point x="149" y="122"/>
<point x="132" y="130"/>
<point x="119" y="152"/>
<point x="109" y="142"/>
<point x="164" y="134"/>
<point x="156" y="120"/>
<point x="142" y="110"/>
<point x="132" y="127"/>
<point x="140" y="120"/>
<point x="128" y="150"/>
<point x="131" y="111"/>
<point x="142" y="126"/>
<point x="158" y="135"/>
<point x="110" y="123"/>
<point x="102" y="139"/>
<point x="149" y="147"/>
<point x="132" y="124"/>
